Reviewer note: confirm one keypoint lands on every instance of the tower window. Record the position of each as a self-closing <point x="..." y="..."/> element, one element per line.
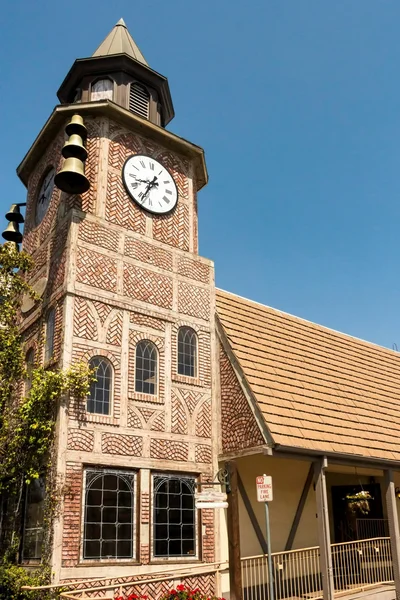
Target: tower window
<point x="102" y="90"/>
<point x="174" y="516"/>
<point x="49" y="346"/>
<point x="99" y="399"/>
<point x="109" y="512"/>
<point x="139" y="100"/>
<point x="187" y="352"/>
<point x="146" y="368"/>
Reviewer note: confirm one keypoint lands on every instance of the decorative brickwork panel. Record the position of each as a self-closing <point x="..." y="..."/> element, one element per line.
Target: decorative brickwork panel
<point x="133" y="418"/>
<point x="56" y="273"/>
<point x="173" y="229"/>
<point x="194" y="301"/>
<point x="195" y="224"/>
<point x="146" y="321"/>
<point x="72" y="514"/>
<point x="193" y="269"/>
<point x="58" y="331"/>
<point x="178" y="169"/>
<point x="114" y="332"/>
<point x="93" y="233"/>
<point x="84" y="321"/>
<point x="120" y="209"/>
<point x="147" y="286"/>
<point x="40" y="261"/>
<point x="169" y="450"/>
<point x="203" y="420"/>
<point x="145" y="508"/>
<point x="158" y="423"/>
<point x="147" y="253"/>
<point x="80" y="439"/>
<point x="203" y="454"/>
<point x="121" y="147"/>
<point x="96" y="270"/>
<point x="91" y="165"/>
<point x="190" y="398"/>
<point x="239" y="427"/>
<point x="179" y="419"/>
<point x="103" y="310"/>
<point x="122" y="445"/>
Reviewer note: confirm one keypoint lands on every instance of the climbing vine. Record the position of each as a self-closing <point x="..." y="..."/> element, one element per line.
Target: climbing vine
<point x="27" y="424"/>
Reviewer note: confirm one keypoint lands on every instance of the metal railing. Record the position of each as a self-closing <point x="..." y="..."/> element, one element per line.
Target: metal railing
<point x="372" y="528"/>
<point x="297" y="573"/>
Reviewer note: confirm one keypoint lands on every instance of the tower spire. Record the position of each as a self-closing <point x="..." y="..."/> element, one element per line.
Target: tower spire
<point x="120" y="41"/>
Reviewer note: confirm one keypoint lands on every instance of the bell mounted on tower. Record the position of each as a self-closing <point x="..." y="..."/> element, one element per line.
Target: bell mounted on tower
<point x="118" y="72"/>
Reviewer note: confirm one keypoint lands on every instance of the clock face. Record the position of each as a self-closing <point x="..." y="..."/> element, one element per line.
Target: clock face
<point x="44" y="196"/>
<point x="150" y="184"/>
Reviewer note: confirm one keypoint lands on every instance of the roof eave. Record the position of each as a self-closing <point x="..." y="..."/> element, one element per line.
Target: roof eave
<point x="135" y="123"/>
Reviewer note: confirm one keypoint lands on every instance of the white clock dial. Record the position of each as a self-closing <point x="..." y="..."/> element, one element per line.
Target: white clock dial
<point x="44" y="195"/>
<point x="150" y="184"/>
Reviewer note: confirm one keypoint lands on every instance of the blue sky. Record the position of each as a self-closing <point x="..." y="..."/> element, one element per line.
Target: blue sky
<point x="296" y="103"/>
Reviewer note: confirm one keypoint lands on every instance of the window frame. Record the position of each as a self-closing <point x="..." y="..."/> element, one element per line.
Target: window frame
<point x="97" y="80"/>
<point x="51" y="314"/>
<point x="196" y="361"/>
<point x="39" y="530"/>
<point x="157" y="369"/>
<point x="28" y="380"/>
<point x="197" y="520"/>
<point x="111" y="390"/>
<point x="133" y="475"/>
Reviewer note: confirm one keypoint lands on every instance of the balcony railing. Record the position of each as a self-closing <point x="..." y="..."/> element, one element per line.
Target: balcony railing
<point x="297" y="573"/>
<point x="372" y="528"/>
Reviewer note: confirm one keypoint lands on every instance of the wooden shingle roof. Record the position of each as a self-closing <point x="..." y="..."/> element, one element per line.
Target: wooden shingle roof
<point x="317" y="389"/>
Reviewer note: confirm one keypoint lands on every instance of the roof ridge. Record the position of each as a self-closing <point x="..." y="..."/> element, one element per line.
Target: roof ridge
<point x="307" y="321"/>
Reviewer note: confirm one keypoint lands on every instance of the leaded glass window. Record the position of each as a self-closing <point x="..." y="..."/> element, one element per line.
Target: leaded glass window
<point x="187" y="352"/>
<point x="33" y="520"/>
<point x="109" y="515"/>
<point x="99" y="399"/>
<point x="174" y="516"/>
<point x="49" y="345"/>
<point x="146" y="368"/>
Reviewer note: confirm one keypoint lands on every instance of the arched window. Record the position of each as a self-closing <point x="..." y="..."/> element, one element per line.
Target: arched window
<point x="187" y="352"/>
<point x="99" y="399"/>
<point x="174" y="516"/>
<point x="109" y="511"/>
<point x="30" y="363"/>
<point x="102" y="90"/>
<point x="49" y="345"/>
<point x="139" y="100"/>
<point x="146" y="368"/>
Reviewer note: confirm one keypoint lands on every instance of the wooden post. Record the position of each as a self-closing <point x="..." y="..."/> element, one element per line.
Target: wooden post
<point x="323" y="529"/>
<point x="235" y="571"/>
<point x="393" y="519"/>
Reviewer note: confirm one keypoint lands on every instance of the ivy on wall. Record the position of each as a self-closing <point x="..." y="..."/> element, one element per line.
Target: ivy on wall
<point x="27" y="426"/>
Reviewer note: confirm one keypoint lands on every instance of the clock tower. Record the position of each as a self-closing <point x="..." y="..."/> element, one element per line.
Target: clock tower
<point x="124" y="289"/>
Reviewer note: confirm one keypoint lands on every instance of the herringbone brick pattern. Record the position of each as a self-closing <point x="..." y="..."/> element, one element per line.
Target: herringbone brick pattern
<point x="56" y="273"/>
<point x="146" y="321"/>
<point x="169" y="450"/>
<point x="84" y="322"/>
<point x="147" y="286"/>
<point x="179" y="419"/>
<point x="173" y="228"/>
<point x="79" y="439"/>
<point x="114" y="332"/>
<point x="203" y="420"/>
<point x="190" y="398"/>
<point x="203" y="454"/>
<point x="178" y="170"/>
<point x="96" y="270"/>
<point x="103" y="310"/>
<point x="239" y="427"/>
<point x="91" y="165"/>
<point x="193" y="269"/>
<point x="123" y="445"/>
<point x="148" y="253"/>
<point x="120" y="209"/>
<point x="121" y="147"/>
<point x="194" y="301"/>
<point x="93" y="233"/>
<point x="71" y="514"/>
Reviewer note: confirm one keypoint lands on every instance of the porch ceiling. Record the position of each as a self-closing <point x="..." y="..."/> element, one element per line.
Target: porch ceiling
<point x="317" y="389"/>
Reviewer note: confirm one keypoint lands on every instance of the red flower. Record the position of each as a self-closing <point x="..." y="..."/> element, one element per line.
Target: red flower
<point x="173" y="592"/>
<point x="180" y="587"/>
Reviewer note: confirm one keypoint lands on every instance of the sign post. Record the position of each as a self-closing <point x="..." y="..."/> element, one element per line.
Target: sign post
<point x="264" y="494"/>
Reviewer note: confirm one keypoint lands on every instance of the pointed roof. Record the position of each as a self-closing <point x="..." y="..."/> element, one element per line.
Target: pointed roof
<point x="120" y="41"/>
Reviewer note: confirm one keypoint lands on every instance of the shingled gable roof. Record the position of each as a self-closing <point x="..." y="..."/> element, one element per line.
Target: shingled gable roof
<point x="317" y="389"/>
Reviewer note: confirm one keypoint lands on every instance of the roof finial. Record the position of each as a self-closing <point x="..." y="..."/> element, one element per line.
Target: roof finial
<point x="121" y="22"/>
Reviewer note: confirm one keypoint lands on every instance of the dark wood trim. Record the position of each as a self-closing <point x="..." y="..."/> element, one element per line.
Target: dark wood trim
<point x="252" y="516"/>
<point x="235" y="571"/>
<point x="300" y="508"/>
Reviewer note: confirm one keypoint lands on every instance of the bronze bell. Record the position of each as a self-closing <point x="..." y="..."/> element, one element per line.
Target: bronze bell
<point x="14" y="214"/>
<point x="12" y="233"/>
<point x="74" y="147"/>
<point x="71" y="179"/>
<point x="76" y="126"/>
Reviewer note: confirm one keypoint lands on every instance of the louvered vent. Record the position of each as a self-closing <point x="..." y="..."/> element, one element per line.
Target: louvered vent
<point x="139" y="100"/>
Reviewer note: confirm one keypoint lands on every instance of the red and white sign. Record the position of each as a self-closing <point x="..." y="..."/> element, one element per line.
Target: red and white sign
<point x="264" y="488"/>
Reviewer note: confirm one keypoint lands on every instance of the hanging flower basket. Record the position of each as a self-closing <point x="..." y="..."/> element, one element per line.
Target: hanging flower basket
<point x="359" y="503"/>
